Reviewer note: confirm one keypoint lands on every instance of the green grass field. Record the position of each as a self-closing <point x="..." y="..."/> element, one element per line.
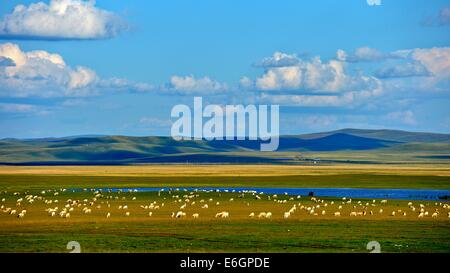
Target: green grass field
<point x="301" y="232"/>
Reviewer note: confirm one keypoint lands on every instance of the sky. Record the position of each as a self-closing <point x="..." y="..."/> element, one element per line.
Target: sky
<point x="73" y="67"/>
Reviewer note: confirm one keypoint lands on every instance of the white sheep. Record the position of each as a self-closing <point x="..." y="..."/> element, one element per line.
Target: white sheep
<point x="223" y="214"/>
<point x="150" y="214"/>
<point x="286" y="215"/>
<point x="108" y="215"/>
<point x="251" y="215"/>
<point x="195" y="215"/>
<point x="127" y="213"/>
<point x="268" y="215"/>
<point x="337" y="213"/>
<point x="180" y="214"/>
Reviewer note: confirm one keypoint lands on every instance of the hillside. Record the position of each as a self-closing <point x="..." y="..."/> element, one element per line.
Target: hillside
<point x="112" y="150"/>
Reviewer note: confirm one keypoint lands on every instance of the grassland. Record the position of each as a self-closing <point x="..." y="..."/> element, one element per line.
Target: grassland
<point x="353" y="176"/>
<point x="38" y="232"/>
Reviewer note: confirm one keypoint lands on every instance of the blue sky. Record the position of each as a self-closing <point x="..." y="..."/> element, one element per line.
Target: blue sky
<point x="393" y="70"/>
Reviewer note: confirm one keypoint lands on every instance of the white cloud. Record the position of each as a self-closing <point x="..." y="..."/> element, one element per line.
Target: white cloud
<point x="363" y="54"/>
<point x="409" y="69"/>
<point x="43" y="74"/>
<point x="306" y="75"/>
<point x="189" y="85"/>
<point x="373" y="2"/>
<point x="17" y="108"/>
<point x="279" y="59"/>
<point x="436" y="60"/>
<point x="314" y="83"/>
<point x="61" y="19"/>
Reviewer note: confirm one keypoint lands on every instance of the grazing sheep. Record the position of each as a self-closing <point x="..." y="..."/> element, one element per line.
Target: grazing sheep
<point x="150" y="214"/>
<point x="223" y="214"/>
<point x="434" y="215"/>
<point x="67" y="215"/>
<point x="108" y="215"/>
<point x="323" y="212"/>
<point x="251" y="215"/>
<point x="205" y="206"/>
<point x="393" y="213"/>
<point x="262" y="215"/>
<point x="12" y="212"/>
<point x="268" y="215"/>
<point x="21" y="215"/>
<point x="420" y="215"/>
<point x="127" y="213"/>
<point x="195" y="215"/>
<point x="286" y="215"/>
<point x="337" y="213"/>
<point x="180" y="214"/>
<point x="353" y="213"/>
<point x="380" y="211"/>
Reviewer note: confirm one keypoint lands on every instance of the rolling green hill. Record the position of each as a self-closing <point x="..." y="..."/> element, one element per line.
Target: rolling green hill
<point x="347" y="145"/>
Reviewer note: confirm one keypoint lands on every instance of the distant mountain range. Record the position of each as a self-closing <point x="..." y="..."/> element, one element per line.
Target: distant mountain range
<point x="96" y="150"/>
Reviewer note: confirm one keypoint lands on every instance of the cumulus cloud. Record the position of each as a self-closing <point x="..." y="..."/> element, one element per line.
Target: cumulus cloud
<point x="313" y="83"/>
<point x="61" y="19"/>
<point x="43" y="74"/>
<point x="279" y="59"/>
<point x="189" y="85"/>
<point x="306" y="75"/>
<point x="436" y="60"/>
<point x="431" y="64"/>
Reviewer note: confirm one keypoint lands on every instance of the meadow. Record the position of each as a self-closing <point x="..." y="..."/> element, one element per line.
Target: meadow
<point x="302" y="231"/>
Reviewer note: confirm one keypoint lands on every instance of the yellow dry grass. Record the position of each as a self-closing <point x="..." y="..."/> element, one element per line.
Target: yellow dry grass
<point x="228" y="170"/>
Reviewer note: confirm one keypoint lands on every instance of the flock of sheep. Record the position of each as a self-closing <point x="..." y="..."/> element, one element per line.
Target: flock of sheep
<point x="182" y="199"/>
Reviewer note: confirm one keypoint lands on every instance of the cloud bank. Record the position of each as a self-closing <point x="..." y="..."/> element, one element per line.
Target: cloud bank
<point x="61" y="19"/>
<point x="42" y="74"/>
